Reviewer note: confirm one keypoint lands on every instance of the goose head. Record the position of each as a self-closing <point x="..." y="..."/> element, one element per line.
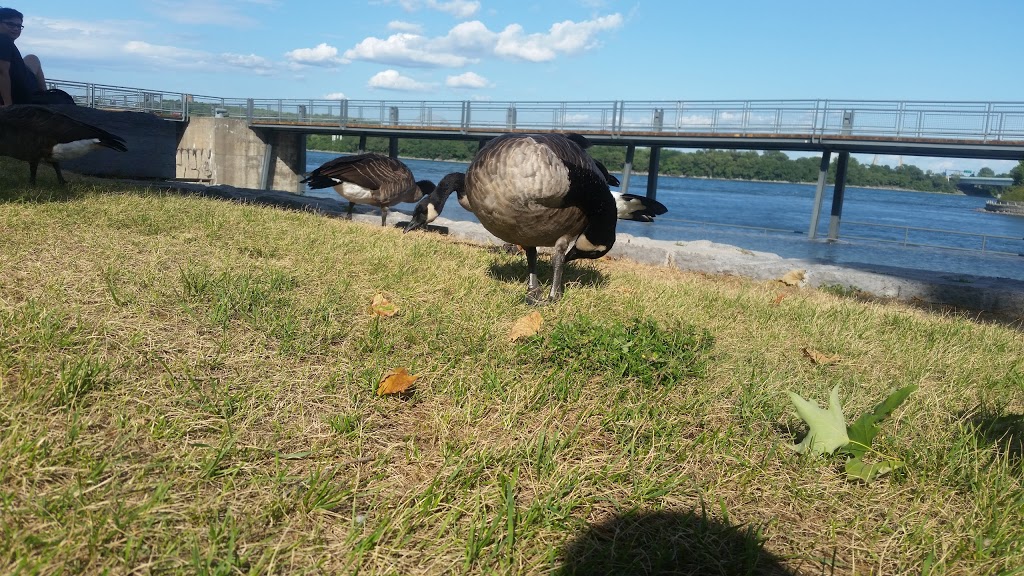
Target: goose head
<point x="429" y="207"/>
<point x="423" y="189"/>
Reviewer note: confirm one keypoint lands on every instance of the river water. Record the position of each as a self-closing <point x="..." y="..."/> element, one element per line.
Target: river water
<point x="914" y="230"/>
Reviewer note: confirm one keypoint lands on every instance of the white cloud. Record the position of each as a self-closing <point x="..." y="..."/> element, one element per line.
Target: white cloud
<point x="468" y="42"/>
<point x="61" y="39"/>
<point x="203" y="12"/>
<point x="335" y="96"/>
<point x="467" y="80"/>
<point x="165" y="53"/>
<point x="566" y="37"/>
<point x="457" y="8"/>
<point x="257" y="64"/>
<point x="409" y="27"/>
<point x="186" y="58"/>
<point x="468" y="37"/>
<point x="405" y="50"/>
<point x="461" y="9"/>
<point x="392" y="80"/>
<point x="321" y="55"/>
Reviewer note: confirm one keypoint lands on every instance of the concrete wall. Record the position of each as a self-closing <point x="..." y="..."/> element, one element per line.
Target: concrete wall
<point x="227" y="151"/>
<point x="150" y="140"/>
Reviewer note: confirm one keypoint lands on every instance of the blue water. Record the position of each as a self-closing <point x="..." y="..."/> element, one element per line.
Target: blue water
<point x="878" y="227"/>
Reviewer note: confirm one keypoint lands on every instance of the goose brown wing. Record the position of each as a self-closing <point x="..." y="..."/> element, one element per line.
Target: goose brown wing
<point x="54" y="126"/>
<point x="371" y="171"/>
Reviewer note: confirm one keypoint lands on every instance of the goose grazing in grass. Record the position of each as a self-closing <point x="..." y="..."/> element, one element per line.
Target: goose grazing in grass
<point x="33" y="133"/>
<point x="538" y="190"/>
<point x="371" y="179"/>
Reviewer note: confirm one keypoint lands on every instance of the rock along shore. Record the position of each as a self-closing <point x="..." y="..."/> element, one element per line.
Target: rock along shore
<point x="998" y="295"/>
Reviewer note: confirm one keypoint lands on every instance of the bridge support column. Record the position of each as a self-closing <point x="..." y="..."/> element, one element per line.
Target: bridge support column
<point x="362" y="144"/>
<point x="393" y="146"/>
<point x="235" y="154"/>
<point x="837" y="195"/>
<point x="819" y="193"/>
<point x="652" y="172"/>
<point x="627" y="168"/>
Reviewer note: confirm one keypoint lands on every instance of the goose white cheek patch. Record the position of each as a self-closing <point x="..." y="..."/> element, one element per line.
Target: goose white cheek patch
<point x="585" y="245"/>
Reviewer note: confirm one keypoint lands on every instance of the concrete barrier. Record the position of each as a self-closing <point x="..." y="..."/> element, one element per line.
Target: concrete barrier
<point x="227" y="151"/>
<point x="151" y="143"/>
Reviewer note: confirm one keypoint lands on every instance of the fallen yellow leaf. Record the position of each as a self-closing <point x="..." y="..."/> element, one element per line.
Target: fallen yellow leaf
<point x="396" y="382"/>
<point x="526" y="326"/>
<point x="381" y="306"/>
<point x="820" y="358"/>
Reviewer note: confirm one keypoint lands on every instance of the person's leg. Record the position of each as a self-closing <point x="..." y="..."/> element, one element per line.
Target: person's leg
<point x="33" y="64"/>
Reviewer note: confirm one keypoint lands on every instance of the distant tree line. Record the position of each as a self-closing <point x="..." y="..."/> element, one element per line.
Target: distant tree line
<point x="1016" y="192"/>
<point x="723" y="164"/>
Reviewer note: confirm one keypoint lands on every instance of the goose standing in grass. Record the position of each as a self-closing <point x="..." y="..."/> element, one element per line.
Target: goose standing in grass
<point x="371" y="179"/>
<point x="540" y="190"/>
<point x="33" y="133"/>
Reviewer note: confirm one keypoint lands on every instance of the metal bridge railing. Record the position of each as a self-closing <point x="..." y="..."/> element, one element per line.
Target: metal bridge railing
<point x="981" y="122"/>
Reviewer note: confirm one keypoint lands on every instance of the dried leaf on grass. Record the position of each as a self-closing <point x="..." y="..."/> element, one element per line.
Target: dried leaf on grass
<point x="526" y="326"/>
<point x="781" y="296"/>
<point x="794" y="277"/>
<point x="820" y="358"/>
<point x="396" y="382"/>
<point x="381" y="306"/>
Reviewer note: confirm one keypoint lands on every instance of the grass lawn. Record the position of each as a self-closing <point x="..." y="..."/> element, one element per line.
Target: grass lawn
<point x="189" y="386"/>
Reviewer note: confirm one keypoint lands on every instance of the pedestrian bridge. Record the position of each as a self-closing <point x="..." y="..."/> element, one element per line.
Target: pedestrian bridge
<point x="991" y="130"/>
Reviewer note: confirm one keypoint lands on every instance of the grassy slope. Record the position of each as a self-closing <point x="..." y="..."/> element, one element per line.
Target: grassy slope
<point x="188" y="386"/>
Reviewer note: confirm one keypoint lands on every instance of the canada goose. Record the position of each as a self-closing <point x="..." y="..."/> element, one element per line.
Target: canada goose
<point x="538" y="190"/>
<point x="33" y="133"/>
<point x="371" y="179"/>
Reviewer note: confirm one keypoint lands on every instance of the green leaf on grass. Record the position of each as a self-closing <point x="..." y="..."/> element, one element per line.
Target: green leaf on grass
<point x="863" y="431"/>
<point x="827" y="427"/>
<point x="857" y="468"/>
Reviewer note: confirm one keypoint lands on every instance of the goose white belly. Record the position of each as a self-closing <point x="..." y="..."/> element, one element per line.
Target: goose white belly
<point x="69" y="150"/>
<point x="356" y="194"/>
<point x="520" y="198"/>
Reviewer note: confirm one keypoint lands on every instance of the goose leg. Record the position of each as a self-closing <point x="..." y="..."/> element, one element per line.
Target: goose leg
<point x="383" y="215"/>
<point x="60" y="176"/>
<point x="532" y="282"/>
<point x="33" y="165"/>
<point x="351" y="207"/>
<point x="557" y="267"/>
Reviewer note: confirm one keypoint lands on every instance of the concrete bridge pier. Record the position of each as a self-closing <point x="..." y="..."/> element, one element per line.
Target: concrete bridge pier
<point x="838" y="194"/>
<point x="627" y="168"/>
<point x="652" y="172"/>
<point x="229" y="151"/>
<point x="819" y="193"/>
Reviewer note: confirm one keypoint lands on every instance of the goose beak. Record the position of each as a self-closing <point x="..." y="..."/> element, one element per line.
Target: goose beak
<point x="418" y="220"/>
<point x="415" y="224"/>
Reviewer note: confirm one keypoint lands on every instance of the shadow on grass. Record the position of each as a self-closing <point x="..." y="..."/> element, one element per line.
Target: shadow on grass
<point x="668" y="543"/>
<point x="1005" y="432"/>
<point x="515" y="271"/>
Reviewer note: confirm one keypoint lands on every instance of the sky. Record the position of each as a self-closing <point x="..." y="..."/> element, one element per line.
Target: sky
<point x="581" y="50"/>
